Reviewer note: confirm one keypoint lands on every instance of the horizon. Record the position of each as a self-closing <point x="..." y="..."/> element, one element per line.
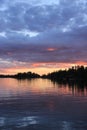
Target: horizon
<point x="56" y="70"/>
<point x="41" y="36"/>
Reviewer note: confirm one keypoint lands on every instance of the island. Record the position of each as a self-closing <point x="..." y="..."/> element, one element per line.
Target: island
<point x="25" y="75"/>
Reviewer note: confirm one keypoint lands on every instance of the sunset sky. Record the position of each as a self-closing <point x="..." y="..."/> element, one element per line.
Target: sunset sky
<point x="42" y="35"/>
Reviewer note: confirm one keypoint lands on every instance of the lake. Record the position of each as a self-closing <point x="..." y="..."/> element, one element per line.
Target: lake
<point x="40" y="104"/>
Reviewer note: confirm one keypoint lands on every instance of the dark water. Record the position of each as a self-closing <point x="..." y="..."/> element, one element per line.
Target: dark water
<point x="42" y="105"/>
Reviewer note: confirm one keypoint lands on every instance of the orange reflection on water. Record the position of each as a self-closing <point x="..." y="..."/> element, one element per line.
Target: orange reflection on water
<point x="13" y="87"/>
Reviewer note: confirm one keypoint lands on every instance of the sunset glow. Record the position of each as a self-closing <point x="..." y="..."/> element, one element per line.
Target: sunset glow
<point x="51" y="49"/>
<point x="40" y="68"/>
<point x="41" y="36"/>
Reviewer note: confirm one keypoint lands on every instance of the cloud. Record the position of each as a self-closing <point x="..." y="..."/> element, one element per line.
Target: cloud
<point x="34" y="31"/>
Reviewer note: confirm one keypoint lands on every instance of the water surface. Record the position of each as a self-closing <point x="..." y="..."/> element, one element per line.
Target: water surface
<point x="40" y="104"/>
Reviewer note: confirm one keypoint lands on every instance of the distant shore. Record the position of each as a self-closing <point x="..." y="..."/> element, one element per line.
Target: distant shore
<point x="74" y="74"/>
<point x="25" y="75"/>
<point x="71" y="75"/>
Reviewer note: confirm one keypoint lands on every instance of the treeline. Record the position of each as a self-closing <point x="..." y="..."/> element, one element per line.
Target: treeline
<point x="25" y="75"/>
<point x="77" y="73"/>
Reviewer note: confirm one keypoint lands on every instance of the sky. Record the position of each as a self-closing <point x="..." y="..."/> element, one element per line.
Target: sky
<point x="42" y="36"/>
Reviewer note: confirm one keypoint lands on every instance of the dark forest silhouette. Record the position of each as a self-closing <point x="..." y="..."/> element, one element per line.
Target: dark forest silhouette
<point x="25" y="75"/>
<point x="75" y="78"/>
<point x="77" y="73"/>
<point x="74" y="74"/>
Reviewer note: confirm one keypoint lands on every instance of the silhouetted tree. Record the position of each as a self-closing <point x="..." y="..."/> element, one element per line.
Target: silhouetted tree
<point x="77" y="73"/>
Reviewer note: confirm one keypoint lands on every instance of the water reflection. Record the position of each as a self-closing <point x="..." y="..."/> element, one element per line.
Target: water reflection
<point x="76" y="88"/>
<point x="50" y="124"/>
<point x="42" y="104"/>
<point x="16" y="88"/>
<point x="2" y="121"/>
<point x="30" y="120"/>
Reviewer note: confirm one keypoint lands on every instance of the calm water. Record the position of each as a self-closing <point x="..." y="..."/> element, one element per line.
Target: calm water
<point x="42" y="105"/>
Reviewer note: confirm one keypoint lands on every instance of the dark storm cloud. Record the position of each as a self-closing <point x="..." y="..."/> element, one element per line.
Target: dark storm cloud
<point x="28" y="29"/>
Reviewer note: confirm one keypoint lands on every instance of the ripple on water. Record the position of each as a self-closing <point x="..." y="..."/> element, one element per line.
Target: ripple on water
<point x="2" y="121"/>
<point x="28" y="120"/>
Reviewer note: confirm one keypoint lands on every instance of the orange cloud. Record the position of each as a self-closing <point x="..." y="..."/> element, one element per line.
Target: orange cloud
<point x="40" y="68"/>
<point x="51" y="49"/>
